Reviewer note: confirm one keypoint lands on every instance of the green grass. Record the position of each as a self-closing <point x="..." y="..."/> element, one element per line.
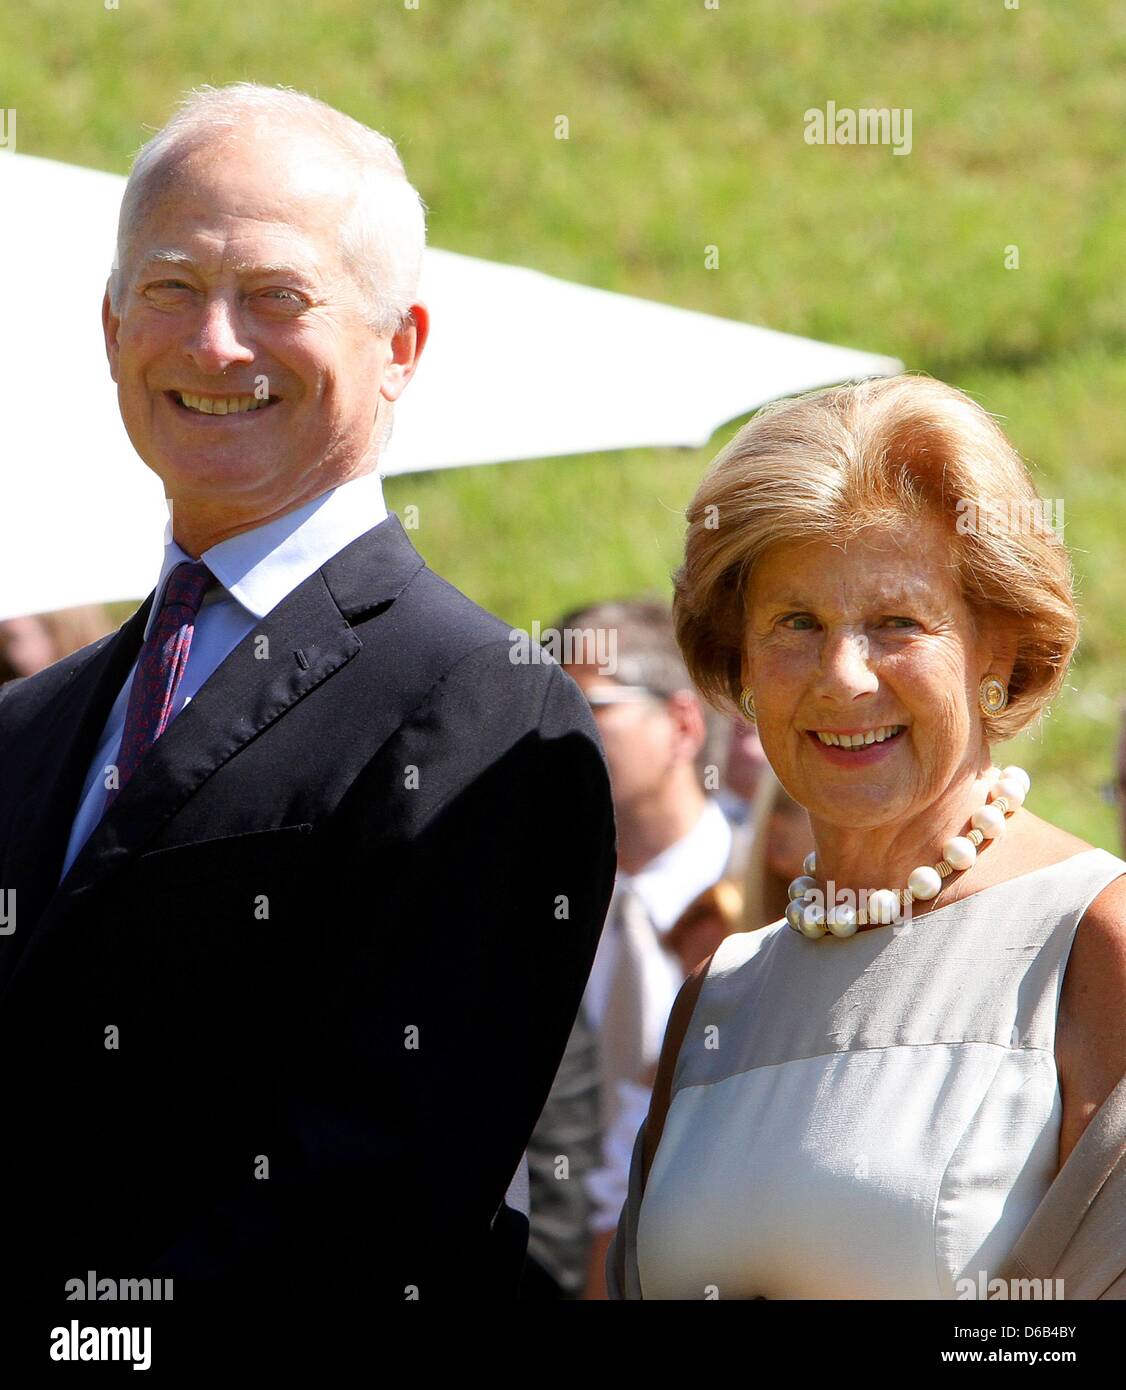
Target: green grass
<point x="686" y="131"/>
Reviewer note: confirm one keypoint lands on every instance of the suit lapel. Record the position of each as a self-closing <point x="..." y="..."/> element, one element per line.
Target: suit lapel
<point x="306" y="639"/>
<point x="67" y="745"/>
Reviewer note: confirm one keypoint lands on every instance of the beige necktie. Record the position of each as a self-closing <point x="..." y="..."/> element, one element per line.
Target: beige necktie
<point x="622" y="1036"/>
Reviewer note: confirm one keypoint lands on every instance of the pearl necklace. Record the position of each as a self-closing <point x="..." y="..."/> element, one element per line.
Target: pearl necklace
<point x="883" y="905"/>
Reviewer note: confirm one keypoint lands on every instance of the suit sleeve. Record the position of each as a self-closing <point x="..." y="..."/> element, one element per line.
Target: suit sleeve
<point x="458" y="1000"/>
<point x="6" y="690"/>
<point x="515" y="874"/>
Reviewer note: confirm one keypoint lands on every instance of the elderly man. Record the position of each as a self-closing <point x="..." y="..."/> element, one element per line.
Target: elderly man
<point x="304" y="874"/>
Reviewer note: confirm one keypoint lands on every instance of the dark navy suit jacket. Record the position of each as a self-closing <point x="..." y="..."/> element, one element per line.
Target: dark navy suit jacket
<point x="286" y="1026"/>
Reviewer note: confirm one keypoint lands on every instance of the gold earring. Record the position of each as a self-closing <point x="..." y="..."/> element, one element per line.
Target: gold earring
<point x="992" y="696"/>
<point x="747" y="704"/>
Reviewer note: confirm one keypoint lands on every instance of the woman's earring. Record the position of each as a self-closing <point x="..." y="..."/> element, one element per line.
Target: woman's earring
<point x="992" y="696"/>
<point x="747" y="704"/>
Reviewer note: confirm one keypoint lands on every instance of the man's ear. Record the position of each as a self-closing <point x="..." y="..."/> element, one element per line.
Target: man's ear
<point x="111" y="324"/>
<point x="691" y="726"/>
<point x="405" y="349"/>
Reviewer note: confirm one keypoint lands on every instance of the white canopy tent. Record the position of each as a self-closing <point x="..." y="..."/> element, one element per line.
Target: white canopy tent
<point x="82" y="520"/>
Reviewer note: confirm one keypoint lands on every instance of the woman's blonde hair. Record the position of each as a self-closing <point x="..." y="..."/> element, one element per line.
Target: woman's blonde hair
<point x="825" y="466"/>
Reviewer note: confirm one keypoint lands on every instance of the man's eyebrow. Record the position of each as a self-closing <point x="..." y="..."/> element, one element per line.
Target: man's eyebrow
<point x="161" y="256"/>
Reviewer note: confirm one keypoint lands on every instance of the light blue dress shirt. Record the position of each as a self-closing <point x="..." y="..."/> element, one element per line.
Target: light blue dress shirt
<point x="255" y="570"/>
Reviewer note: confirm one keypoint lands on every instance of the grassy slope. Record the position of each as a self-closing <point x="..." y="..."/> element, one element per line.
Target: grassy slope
<point x="686" y="131"/>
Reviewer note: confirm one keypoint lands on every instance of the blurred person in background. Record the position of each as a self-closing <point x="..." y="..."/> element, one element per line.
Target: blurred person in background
<point x="565" y="1151"/>
<point x="673" y="842"/>
<point x="33" y="643"/>
<point x="753" y="891"/>
<point x="667" y="751"/>
<point x="565" y="1148"/>
<point x="751" y="798"/>
<point x="782" y="839"/>
<point x="743" y="771"/>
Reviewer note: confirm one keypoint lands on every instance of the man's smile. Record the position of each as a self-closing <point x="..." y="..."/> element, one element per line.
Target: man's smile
<point x="204" y="406"/>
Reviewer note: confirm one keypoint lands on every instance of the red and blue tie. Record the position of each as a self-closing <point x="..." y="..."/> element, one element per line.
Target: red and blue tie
<point x="160" y="669"/>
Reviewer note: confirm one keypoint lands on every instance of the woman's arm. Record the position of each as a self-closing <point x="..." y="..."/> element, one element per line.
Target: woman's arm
<point x="1091" y="1024"/>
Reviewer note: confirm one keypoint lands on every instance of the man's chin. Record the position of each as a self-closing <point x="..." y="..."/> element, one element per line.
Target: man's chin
<point x="211" y="474"/>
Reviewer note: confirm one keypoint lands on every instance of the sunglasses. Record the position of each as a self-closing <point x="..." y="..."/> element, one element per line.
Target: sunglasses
<point x="602" y="695"/>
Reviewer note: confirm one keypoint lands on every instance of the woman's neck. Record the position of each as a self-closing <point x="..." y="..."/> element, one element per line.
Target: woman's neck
<point x="885" y="856"/>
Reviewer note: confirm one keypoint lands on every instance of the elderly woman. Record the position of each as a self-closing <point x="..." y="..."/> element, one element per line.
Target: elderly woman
<point x="871" y="1097"/>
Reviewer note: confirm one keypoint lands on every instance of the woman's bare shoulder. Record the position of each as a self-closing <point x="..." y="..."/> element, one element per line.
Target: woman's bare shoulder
<point x="1041" y="843"/>
<point x="1090" y="1040"/>
<point x="1095" y="981"/>
<point x="1028" y="844"/>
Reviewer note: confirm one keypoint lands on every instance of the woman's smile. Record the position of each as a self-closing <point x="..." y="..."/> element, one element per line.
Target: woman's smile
<point x="856" y="747"/>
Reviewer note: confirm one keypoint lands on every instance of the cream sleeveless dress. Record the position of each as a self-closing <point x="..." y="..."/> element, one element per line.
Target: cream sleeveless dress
<point x="870" y="1117"/>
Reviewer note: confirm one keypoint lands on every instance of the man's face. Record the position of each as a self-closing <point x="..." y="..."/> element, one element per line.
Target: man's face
<point x="643" y="739"/>
<point x="235" y="282"/>
<point x="746" y="760"/>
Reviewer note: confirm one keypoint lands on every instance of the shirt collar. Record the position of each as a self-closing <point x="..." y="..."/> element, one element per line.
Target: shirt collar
<point x="667" y="884"/>
<point x="261" y="566"/>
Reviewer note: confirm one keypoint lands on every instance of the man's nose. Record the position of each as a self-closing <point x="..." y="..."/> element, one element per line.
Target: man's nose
<point x="846" y="666"/>
<point x="217" y="341"/>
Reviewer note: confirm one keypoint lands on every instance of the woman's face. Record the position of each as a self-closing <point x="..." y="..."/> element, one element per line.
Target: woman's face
<point x="868" y="636"/>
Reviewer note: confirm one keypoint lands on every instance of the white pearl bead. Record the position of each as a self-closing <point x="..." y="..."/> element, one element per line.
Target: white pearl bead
<point x="924" y="882"/>
<point x="801" y="885"/>
<point x="813" y="921"/>
<point x="882" y="906"/>
<point x="809" y="864"/>
<point x="990" y="820"/>
<point x="841" y="920"/>
<point x="794" y="912"/>
<point x="1020" y="775"/>
<point x="1011" y="789"/>
<point x="959" y="852"/>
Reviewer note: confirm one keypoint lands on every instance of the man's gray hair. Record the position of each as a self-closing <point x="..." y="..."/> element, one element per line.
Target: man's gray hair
<point x="645" y="642"/>
<point x="382" y="241"/>
<point x="647" y="655"/>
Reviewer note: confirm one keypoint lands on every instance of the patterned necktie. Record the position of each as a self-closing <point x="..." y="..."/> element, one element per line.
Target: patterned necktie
<point x="160" y="668"/>
<point x="622" y="1036"/>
